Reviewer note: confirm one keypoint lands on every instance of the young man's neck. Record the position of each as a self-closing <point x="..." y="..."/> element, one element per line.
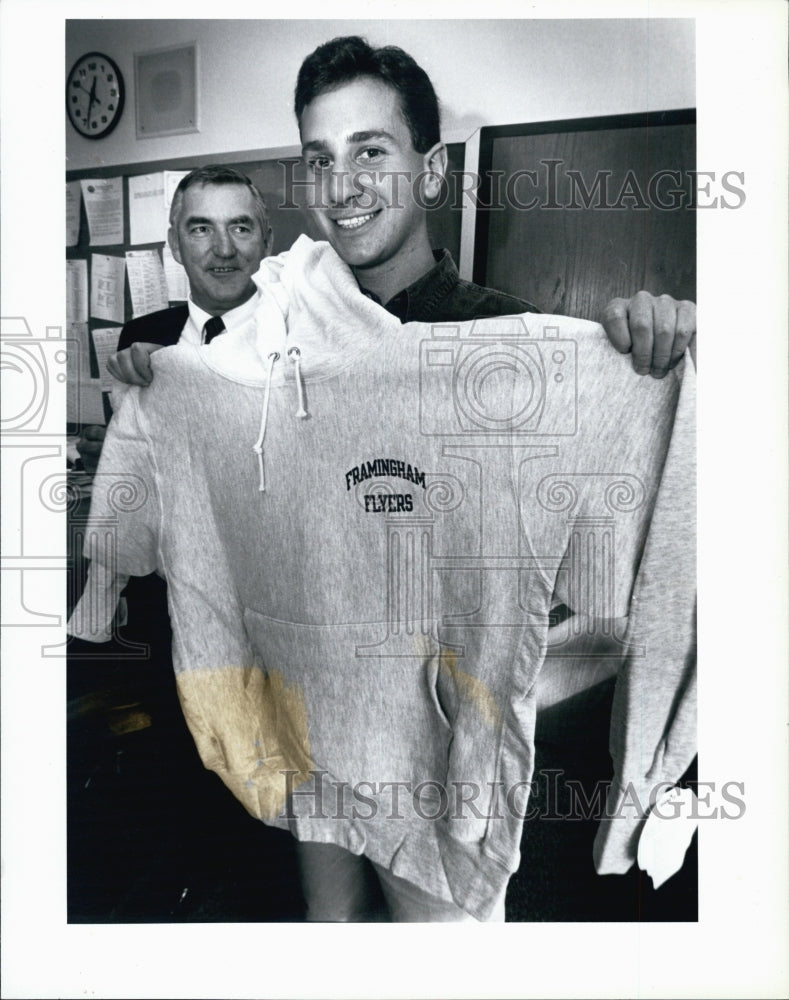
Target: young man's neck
<point x="387" y="279"/>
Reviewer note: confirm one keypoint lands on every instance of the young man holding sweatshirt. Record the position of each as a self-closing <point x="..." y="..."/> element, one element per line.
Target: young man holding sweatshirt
<point x="370" y="133"/>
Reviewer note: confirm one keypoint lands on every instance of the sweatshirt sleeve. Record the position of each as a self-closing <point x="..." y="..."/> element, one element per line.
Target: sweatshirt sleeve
<point x="653" y="722"/>
<point x="122" y="537"/>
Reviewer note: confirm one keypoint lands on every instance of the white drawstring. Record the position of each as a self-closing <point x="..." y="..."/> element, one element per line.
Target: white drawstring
<point x="295" y="356"/>
<point x="258" y="446"/>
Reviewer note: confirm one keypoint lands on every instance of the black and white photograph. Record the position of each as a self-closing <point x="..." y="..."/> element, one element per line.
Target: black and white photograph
<point x="375" y="542"/>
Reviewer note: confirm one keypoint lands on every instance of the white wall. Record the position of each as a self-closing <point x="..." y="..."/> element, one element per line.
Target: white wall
<point x="485" y="72"/>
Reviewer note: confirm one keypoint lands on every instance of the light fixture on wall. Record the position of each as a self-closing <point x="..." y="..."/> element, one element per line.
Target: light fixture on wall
<point x="165" y="83"/>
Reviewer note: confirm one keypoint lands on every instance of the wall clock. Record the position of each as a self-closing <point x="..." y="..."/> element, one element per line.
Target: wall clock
<point x="94" y="95"/>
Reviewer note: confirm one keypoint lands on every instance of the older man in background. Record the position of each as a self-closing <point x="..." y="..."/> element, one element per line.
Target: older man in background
<point x="219" y="231"/>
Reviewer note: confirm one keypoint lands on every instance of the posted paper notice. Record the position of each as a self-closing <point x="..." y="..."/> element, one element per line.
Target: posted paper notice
<point x="84" y="404"/>
<point x="175" y="274"/>
<point x="76" y="291"/>
<point x="73" y="206"/>
<point x="105" y="341"/>
<point x="146" y="281"/>
<point x="106" y="287"/>
<point x="147" y="214"/>
<point x="172" y="178"/>
<point x="104" y="208"/>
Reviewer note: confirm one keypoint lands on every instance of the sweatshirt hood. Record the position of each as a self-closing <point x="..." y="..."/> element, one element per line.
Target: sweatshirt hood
<point x="301" y="330"/>
<point x="306" y="296"/>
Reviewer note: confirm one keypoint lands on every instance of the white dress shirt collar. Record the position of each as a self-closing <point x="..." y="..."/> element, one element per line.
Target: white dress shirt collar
<point x="233" y="318"/>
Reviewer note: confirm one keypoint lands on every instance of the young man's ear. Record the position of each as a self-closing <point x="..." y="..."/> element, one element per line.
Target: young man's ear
<point x="435" y="164"/>
<point x="172" y="239"/>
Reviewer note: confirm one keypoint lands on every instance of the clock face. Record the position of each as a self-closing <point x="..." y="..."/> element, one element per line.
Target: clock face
<point x="94" y="95"/>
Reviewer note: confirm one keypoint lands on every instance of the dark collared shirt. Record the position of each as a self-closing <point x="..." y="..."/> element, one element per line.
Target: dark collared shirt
<point x="442" y="296"/>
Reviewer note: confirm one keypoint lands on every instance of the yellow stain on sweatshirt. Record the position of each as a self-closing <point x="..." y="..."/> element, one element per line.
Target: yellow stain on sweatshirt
<point x="249" y="727"/>
<point x="469" y="688"/>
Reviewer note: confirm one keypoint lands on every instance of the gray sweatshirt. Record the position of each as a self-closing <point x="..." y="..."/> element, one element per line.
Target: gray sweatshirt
<point x="364" y="526"/>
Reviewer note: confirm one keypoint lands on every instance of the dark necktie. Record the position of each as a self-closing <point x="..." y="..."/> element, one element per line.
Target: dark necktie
<point x="213" y="328"/>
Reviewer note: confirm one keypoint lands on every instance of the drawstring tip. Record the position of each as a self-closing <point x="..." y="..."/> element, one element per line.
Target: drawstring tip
<point x="295" y="356"/>
<point x="258" y="449"/>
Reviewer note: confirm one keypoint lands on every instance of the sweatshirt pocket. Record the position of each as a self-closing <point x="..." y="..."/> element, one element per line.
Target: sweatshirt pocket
<point x="368" y="717"/>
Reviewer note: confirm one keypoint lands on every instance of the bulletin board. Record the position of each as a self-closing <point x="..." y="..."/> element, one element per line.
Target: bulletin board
<point x="276" y="173"/>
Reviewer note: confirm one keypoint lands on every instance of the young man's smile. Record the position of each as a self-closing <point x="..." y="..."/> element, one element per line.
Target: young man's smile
<point x="354" y="222"/>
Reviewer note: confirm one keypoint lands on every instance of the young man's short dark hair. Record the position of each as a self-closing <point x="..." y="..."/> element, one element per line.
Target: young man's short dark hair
<point x="344" y="59"/>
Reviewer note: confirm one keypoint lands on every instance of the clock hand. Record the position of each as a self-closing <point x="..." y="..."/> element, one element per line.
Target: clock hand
<point x="92" y="100"/>
<point x="96" y="100"/>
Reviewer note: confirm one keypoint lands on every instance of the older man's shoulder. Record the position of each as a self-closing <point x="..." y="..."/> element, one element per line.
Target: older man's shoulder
<point x="163" y="327"/>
